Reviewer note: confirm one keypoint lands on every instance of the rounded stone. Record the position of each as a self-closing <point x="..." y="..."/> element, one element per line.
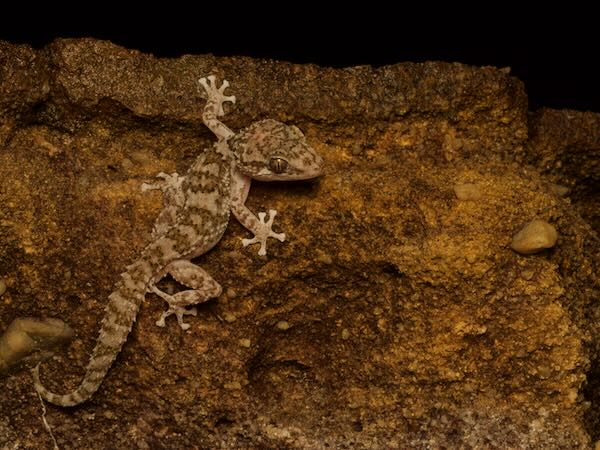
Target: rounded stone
<point x="229" y="317"/>
<point x="534" y="237"/>
<point x="468" y="191"/>
<point x="559" y="189"/>
<point x="282" y="325"/>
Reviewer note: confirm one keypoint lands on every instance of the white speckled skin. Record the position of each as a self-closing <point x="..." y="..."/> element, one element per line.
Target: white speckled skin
<point x="195" y="216"/>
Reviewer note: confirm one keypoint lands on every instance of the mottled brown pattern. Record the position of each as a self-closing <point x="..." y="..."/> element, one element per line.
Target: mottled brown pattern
<point x="194" y="219"/>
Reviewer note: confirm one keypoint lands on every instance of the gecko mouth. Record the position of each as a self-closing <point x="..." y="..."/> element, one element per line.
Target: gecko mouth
<point x="314" y="172"/>
<point x="307" y="174"/>
<point x="290" y="175"/>
<point x="304" y="176"/>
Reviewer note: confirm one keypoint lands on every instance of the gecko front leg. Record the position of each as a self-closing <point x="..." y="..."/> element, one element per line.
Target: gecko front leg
<point x="258" y="225"/>
<point x="261" y="229"/>
<point x="214" y="107"/>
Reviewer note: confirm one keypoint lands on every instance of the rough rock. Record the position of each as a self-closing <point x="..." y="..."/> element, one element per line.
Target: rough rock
<point x="410" y="323"/>
<point x="564" y="146"/>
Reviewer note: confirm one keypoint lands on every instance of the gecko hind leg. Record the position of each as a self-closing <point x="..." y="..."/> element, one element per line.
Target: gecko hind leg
<point x="203" y="287"/>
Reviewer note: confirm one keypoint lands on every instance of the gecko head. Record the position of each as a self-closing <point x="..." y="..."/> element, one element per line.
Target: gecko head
<point x="269" y="150"/>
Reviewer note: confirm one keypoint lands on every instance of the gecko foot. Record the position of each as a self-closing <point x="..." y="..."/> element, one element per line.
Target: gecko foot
<point x="179" y="312"/>
<point x="174" y="308"/>
<point x="263" y="232"/>
<point x="216" y="94"/>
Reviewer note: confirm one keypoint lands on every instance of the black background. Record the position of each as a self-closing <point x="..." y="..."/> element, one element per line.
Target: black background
<point x="556" y="53"/>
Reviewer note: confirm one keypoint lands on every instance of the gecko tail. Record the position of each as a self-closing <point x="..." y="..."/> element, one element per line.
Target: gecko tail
<point x="105" y="352"/>
<point x="121" y="312"/>
<point x="79" y="395"/>
<point x="96" y="370"/>
<point x="119" y="317"/>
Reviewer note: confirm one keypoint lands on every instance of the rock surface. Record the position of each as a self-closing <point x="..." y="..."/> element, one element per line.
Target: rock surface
<point x="564" y="145"/>
<point x="395" y="316"/>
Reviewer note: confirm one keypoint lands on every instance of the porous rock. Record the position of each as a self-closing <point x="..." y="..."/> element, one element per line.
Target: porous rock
<point x="564" y="146"/>
<point x="414" y="324"/>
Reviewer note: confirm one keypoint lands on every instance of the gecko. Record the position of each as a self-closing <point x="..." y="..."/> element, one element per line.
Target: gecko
<point x="197" y="207"/>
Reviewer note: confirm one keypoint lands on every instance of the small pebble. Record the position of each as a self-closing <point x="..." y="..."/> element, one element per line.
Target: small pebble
<point x="229" y="318"/>
<point x="534" y="237"/>
<point x="126" y="164"/>
<point x="323" y="257"/>
<point x="142" y="444"/>
<point x="245" y="343"/>
<point x="2" y="286"/>
<point x="282" y="325"/>
<point x="467" y="191"/>
<point x="527" y="274"/>
<point x="356" y="149"/>
<point x="233" y="385"/>
<point x="345" y="334"/>
<point x="559" y="189"/>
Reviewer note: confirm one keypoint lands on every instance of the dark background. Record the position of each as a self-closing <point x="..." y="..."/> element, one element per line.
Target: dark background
<point x="555" y="53"/>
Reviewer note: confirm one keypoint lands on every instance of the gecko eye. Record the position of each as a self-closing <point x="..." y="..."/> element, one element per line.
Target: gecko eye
<point x="278" y="165"/>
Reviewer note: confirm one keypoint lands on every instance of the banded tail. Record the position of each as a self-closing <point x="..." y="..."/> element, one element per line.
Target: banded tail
<point x="120" y="315"/>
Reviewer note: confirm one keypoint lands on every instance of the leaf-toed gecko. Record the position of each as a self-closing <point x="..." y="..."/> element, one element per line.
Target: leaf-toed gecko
<point x="195" y="216"/>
